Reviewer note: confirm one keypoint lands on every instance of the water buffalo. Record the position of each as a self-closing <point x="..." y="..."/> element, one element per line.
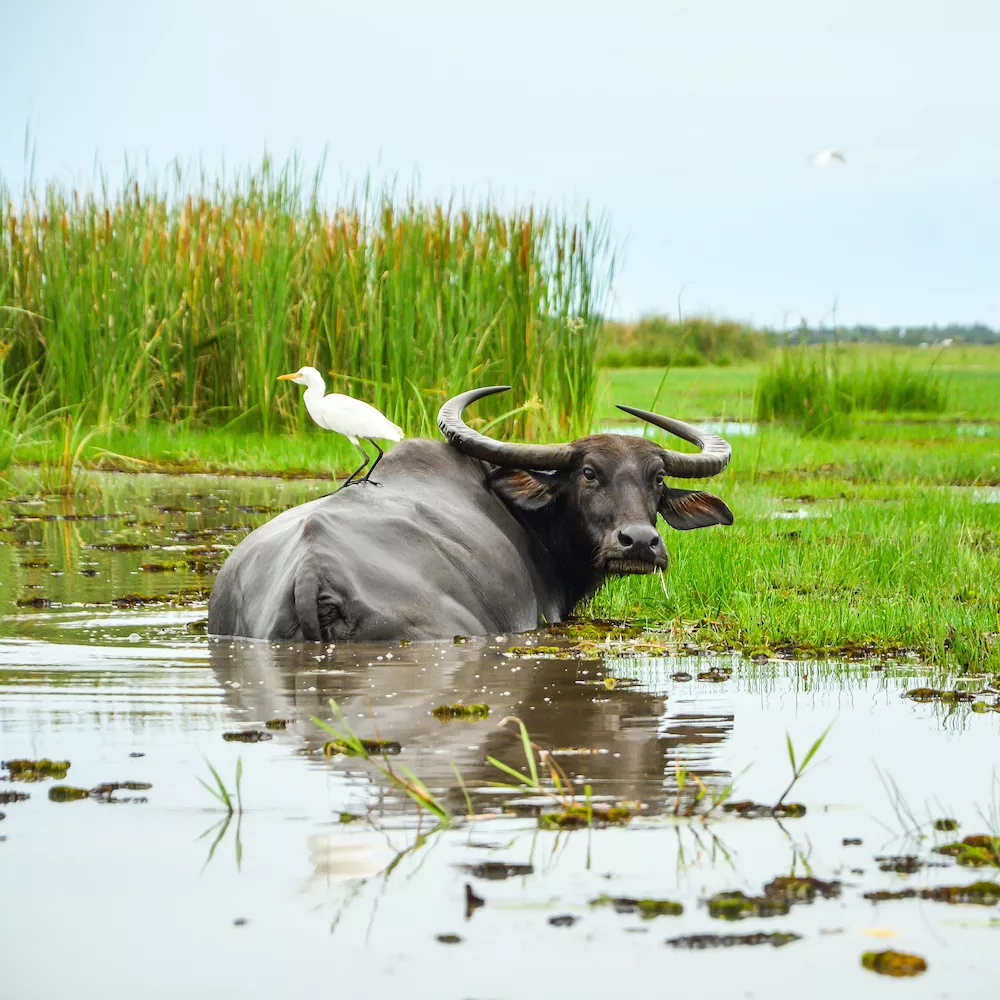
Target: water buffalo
<point x="473" y="536"/>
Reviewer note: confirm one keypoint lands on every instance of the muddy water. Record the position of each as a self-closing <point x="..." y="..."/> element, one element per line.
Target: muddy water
<point x="160" y="896"/>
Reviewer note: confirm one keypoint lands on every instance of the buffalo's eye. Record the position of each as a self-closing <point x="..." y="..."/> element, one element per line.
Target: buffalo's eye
<point x="659" y="479"/>
<point x="589" y="474"/>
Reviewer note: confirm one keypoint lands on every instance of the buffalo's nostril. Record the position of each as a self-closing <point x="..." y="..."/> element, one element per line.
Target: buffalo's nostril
<point x="640" y="539"/>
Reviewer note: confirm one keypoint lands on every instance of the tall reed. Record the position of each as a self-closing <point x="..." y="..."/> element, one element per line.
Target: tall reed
<point x="184" y="302"/>
<point x="820" y="391"/>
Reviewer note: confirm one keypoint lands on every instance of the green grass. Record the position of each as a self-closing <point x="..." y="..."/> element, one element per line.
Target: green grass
<point x="821" y="391"/>
<point x="972" y="375"/>
<point x="184" y="304"/>
<point x="907" y="566"/>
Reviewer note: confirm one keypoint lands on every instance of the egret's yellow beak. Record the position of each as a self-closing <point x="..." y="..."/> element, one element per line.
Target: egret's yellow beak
<point x="286" y="378"/>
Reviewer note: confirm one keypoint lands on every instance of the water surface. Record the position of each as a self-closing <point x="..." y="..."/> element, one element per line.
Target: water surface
<point x="161" y="897"/>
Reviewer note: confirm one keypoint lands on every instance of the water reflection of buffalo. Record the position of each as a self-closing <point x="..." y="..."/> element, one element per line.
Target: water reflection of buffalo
<point x="631" y="735"/>
<point x="471" y="537"/>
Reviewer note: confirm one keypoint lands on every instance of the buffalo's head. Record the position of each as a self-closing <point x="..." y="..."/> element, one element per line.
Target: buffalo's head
<point x="603" y="491"/>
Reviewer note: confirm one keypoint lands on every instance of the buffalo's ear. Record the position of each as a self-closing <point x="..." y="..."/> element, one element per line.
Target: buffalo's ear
<point x="684" y="509"/>
<point x="525" y="490"/>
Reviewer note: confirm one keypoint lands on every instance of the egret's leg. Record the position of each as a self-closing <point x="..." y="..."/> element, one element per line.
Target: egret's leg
<point x="350" y="479"/>
<point x="368" y="476"/>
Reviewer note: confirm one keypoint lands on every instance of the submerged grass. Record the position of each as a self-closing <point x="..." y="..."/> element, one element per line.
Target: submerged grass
<point x="183" y="303"/>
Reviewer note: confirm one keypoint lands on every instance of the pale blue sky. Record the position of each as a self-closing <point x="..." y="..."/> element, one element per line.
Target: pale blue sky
<point x="691" y="124"/>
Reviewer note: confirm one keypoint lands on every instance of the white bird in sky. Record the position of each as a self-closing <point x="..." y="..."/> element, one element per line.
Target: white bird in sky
<point x="826" y="156"/>
<point x="351" y="417"/>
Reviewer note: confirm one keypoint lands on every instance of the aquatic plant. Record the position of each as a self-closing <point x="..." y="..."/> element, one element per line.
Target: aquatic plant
<point x="893" y="963"/>
<point x="819" y="391"/>
<point x="225" y="798"/>
<point x="24" y="410"/>
<point x="376" y="753"/>
<point x="799" y="769"/>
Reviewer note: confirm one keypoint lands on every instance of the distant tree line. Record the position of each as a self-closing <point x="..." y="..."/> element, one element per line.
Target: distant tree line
<point x="657" y="341"/>
<point x="965" y="333"/>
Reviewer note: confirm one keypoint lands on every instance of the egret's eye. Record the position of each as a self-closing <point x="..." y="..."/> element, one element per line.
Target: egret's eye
<point x="659" y="479"/>
<point x="589" y="474"/>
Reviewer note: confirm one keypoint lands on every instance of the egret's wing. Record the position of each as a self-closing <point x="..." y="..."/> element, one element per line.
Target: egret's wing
<point x="356" y="417"/>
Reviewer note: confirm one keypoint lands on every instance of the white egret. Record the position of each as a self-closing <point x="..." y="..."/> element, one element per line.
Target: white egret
<point x="826" y="156"/>
<point x="351" y="417"/>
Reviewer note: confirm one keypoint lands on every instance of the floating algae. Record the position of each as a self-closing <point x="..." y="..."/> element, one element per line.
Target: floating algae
<point x="471" y="713"/>
<point x="278" y="723"/>
<point x="648" y="909"/>
<point x="247" y="736"/>
<point x="977" y="894"/>
<point x="893" y="963"/>
<point x="497" y="871"/>
<point x="699" y="942"/>
<point x="738" y="906"/>
<point x="935" y="694"/>
<point x="576" y="816"/>
<point x="67" y="793"/>
<point x="755" y="810"/>
<point x="35" y="770"/>
<point x="6" y="798"/>
<point x="333" y="747"/>
<point x="103" y="792"/>
<point x="974" y="851"/>
<point x="800" y="889"/>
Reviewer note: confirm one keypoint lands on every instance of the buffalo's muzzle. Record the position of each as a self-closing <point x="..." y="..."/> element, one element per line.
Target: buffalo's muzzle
<point x="637" y="548"/>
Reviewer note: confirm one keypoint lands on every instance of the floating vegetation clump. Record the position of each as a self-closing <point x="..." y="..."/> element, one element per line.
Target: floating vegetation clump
<point x="901" y="864"/>
<point x="470" y="713"/>
<point x="746" y="809"/>
<point x="648" y="909"/>
<point x="715" y="675"/>
<point x="893" y="963"/>
<point x="278" y="723"/>
<point x="700" y="942"/>
<point x="67" y="793"/>
<point x="247" y="736"/>
<point x="801" y="889"/>
<point x="575" y="816"/>
<point x="979" y="894"/>
<point x="6" y="798"/>
<point x="103" y="792"/>
<point x="739" y="906"/>
<point x="974" y="851"/>
<point x="946" y="825"/>
<point x="35" y="770"/>
<point x="497" y="871"/>
<point x="346" y="747"/>
<point x="936" y="694"/>
<point x="164" y="567"/>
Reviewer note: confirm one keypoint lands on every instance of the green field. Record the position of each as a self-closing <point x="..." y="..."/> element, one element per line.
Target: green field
<point x="144" y="331"/>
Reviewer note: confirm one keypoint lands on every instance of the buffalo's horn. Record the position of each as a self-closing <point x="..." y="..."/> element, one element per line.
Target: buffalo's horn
<point x="511" y="456"/>
<point x="714" y="456"/>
